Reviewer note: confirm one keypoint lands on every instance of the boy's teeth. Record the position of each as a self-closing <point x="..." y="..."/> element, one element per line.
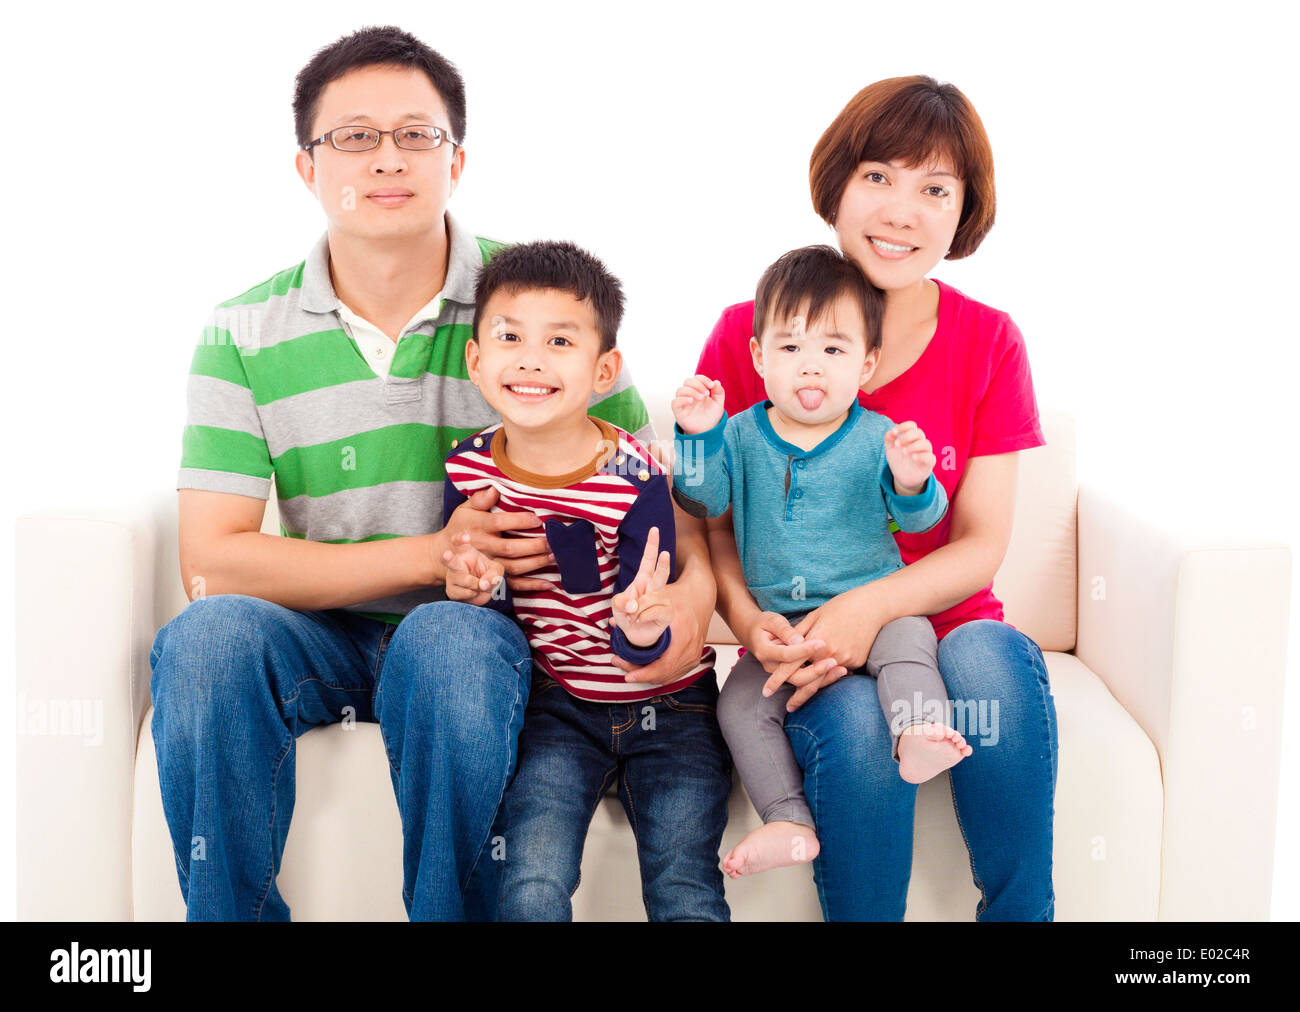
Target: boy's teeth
<point x="891" y="247"/>
<point x="530" y="390"/>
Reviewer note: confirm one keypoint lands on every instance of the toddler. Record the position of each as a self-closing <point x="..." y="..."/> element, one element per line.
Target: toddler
<point x="813" y="481"/>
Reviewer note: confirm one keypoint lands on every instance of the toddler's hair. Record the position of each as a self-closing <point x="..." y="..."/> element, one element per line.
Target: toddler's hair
<point x="561" y="266"/>
<point x="816" y="275"/>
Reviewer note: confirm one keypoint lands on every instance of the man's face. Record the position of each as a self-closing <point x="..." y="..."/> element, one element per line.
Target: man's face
<point x="350" y="184"/>
<point x="537" y="359"/>
<point x="813" y="373"/>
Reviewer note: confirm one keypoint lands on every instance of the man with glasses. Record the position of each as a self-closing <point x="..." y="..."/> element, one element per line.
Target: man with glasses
<point x="343" y="378"/>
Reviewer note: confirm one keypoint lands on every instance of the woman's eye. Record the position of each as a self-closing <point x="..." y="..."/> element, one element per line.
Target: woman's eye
<point x="936" y="191"/>
<point x="875" y="177"/>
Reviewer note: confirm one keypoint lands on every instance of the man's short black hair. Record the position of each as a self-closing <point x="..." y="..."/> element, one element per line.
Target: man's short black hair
<point x="560" y="266"/>
<point x="372" y="46"/>
<point x="817" y="275"/>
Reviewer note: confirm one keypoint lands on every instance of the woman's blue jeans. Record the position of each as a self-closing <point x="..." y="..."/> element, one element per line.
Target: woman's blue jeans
<point x="1003" y="791"/>
<point x="237" y="679"/>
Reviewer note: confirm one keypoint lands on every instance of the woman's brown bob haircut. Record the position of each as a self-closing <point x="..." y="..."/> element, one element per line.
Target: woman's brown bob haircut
<point x="911" y="120"/>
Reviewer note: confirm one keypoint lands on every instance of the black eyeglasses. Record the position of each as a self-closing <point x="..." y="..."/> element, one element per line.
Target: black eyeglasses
<point x="418" y="137"/>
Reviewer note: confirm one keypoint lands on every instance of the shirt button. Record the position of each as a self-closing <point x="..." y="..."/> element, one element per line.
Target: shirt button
<point x="798" y="493"/>
<point x="800" y="463"/>
<point x="455" y="443"/>
<point x="644" y="475"/>
<point x="478" y="441"/>
<point x="380" y="351"/>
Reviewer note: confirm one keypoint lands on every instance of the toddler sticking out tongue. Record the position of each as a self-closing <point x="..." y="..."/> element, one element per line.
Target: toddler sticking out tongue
<point x="810" y="397"/>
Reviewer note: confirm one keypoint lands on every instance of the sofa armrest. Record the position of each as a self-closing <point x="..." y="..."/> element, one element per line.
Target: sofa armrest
<point x="87" y="610"/>
<point x="1189" y="635"/>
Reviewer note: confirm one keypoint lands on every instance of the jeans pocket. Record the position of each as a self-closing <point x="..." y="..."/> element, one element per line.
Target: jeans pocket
<point x="701" y="696"/>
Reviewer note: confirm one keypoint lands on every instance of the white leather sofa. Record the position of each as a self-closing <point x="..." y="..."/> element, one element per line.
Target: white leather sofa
<point x="1165" y="657"/>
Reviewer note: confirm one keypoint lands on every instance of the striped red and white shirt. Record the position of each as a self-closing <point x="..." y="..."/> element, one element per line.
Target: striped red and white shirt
<point x="596" y="520"/>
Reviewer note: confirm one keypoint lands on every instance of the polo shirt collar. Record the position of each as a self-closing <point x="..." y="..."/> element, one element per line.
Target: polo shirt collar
<point x="317" y="294"/>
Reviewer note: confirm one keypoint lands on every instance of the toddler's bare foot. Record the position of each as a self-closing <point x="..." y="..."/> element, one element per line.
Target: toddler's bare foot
<point x="926" y="750"/>
<point x="773" y="845"/>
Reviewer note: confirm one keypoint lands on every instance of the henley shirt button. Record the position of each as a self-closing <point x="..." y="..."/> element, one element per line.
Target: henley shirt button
<point x="379" y="352"/>
<point x="618" y="459"/>
<point x="800" y="463"/>
<point x="798" y="493"/>
<point x="478" y="440"/>
<point x="455" y="443"/>
<point x="643" y="475"/>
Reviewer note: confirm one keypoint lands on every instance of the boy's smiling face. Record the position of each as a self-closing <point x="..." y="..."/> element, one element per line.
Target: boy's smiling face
<point x="537" y="359"/>
<point x="813" y="372"/>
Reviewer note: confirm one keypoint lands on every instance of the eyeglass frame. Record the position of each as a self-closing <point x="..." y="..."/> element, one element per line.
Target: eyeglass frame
<point x="445" y="135"/>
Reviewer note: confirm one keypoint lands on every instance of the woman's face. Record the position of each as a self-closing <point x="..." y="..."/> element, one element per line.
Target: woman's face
<point x="897" y="222"/>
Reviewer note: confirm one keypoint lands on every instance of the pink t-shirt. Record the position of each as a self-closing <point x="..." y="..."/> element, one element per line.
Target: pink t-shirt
<point x="971" y="393"/>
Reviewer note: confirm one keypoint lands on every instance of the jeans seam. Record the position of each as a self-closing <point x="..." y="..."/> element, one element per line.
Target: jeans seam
<point x="270" y="872"/>
<point x="505" y="783"/>
<point x="819" y="866"/>
<point x="600" y="794"/>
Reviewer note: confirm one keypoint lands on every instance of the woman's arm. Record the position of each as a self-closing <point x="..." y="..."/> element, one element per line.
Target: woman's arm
<point x="983" y="508"/>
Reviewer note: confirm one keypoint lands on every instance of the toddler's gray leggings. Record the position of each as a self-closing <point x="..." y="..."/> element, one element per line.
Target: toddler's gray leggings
<point x="904" y="661"/>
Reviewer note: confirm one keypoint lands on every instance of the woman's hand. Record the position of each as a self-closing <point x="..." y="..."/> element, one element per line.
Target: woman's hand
<point x="846" y="626"/>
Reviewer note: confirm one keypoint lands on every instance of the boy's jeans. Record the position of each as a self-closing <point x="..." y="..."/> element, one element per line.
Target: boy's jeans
<point x="674" y="778"/>
<point x="236" y="679"/>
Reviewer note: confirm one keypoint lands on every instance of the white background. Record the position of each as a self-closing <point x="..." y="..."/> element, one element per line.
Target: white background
<point x="1145" y="237"/>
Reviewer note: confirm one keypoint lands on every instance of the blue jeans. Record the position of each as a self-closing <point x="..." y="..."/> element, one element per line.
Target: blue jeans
<point x="674" y="778"/>
<point x="1002" y="792"/>
<point x="237" y="679"/>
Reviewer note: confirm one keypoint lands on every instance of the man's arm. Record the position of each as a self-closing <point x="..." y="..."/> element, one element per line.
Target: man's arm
<point x="223" y="551"/>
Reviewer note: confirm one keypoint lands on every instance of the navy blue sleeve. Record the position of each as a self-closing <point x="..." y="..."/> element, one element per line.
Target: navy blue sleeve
<point x="653" y="508"/>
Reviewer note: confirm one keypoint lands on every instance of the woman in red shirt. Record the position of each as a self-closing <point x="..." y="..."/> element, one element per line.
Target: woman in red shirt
<point x="905" y="177"/>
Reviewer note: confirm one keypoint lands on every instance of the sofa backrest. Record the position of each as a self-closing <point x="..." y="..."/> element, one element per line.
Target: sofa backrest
<point x="1037" y="582"/>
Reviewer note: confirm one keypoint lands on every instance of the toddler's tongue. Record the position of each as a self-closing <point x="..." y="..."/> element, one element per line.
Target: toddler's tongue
<point x="810" y="399"/>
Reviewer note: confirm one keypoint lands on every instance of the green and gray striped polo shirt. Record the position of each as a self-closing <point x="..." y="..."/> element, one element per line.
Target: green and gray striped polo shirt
<point x="278" y="387"/>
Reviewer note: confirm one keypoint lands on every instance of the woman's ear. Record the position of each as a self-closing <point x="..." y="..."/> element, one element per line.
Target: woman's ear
<point x="756" y="353"/>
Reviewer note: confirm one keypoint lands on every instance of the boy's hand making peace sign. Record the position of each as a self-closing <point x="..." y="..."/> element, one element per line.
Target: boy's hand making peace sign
<point x="642" y="610"/>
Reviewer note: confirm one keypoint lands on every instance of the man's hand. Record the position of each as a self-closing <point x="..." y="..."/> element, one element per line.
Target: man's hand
<point x="471" y="575"/>
<point x="516" y="555"/>
<point x="910" y="457"/>
<point x="641" y="610"/>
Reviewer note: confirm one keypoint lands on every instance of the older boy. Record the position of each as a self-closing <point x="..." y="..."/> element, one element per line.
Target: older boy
<point x="545" y="329"/>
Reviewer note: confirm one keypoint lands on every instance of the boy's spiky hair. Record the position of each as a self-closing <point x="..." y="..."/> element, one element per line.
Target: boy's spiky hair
<point x="561" y="266"/>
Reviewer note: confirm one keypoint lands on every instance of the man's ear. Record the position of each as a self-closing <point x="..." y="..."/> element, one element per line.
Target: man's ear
<point x="306" y="169"/>
<point x="756" y="353"/>
<point x="608" y="365"/>
<point x="457" y="167"/>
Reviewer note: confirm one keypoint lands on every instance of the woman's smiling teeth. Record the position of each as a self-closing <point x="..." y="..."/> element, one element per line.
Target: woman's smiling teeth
<point x="890" y="247"/>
